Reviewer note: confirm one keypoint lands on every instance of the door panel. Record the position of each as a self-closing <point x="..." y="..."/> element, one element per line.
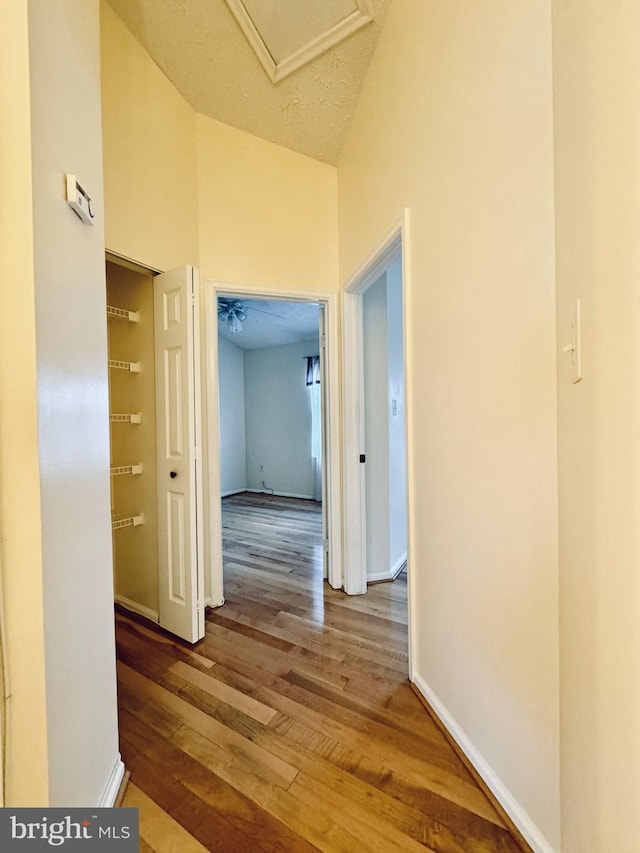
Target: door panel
<point x="178" y="441"/>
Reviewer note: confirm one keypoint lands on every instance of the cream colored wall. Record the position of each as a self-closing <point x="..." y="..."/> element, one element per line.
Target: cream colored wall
<point x="135" y="549"/>
<point x="73" y="425"/>
<point x="149" y="155"/>
<point x="597" y="132"/>
<point x="455" y="122"/>
<point x="241" y="209"/>
<point x="266" y="214"/>
<point x="21" y="548"/>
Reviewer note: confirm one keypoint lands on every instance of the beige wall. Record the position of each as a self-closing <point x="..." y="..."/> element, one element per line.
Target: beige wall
<point x="597" y="129"/>
<point x="267" y="215"/>
<point x="149" y="155"/>
<point x="135" y="549"/>
<point x="455" y="122"/>
<point x="21" y="555"/>
<point x="73" y="422"/>
<point x="182" y="188"/>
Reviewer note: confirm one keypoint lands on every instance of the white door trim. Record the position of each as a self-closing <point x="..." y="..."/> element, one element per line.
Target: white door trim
<point x="395" y="239"/>
<point x="331" y="453"/>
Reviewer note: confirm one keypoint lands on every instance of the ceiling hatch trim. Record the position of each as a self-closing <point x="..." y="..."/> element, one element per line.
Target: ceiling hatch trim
<point x="277" y="71"/>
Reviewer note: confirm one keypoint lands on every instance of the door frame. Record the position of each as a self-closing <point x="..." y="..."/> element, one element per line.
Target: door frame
<point x="395" y="239"/>
<point x="211" y="424"/>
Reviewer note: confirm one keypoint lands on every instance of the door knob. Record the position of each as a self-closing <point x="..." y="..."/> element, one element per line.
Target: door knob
<point x="173" y="474"/>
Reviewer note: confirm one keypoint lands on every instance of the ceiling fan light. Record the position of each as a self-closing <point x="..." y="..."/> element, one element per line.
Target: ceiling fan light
<point x="241" y="314"/>
<point x="234" y="324"/>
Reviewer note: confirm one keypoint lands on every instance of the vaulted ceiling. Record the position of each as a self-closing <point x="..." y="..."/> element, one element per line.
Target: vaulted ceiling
<point x="289" y="71"/>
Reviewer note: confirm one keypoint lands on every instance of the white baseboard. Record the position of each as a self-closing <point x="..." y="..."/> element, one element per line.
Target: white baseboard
<point x="391" y="574"/>
<point x="110" y="793"/>
<point x="140" y="609"/>
<point x="529" y="831"/>
<point x="376" y="577"/>
<point x="232" y="492"/>
<point x="280" y="494"/>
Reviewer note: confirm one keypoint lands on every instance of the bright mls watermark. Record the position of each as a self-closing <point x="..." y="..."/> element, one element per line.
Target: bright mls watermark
<point x="69" y="829"/>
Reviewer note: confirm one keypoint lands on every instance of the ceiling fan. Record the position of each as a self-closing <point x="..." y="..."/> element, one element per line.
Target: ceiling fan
<point x="234" y="312"/>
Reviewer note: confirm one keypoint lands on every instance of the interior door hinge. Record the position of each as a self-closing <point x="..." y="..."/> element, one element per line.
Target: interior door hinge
<point x="323" y="341"/>
<point x="326" y="545"/>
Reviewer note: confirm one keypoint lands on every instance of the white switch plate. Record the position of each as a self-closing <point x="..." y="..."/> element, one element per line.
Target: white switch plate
<point x="575" y="346"/>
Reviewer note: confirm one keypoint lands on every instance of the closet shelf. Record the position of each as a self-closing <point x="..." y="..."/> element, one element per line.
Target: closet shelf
<point x="132" y="366"/>
<point x="123" y="314"/>
<point x="118" y="521"/>
<point x="126" y="469"/>
<point x="135" y="418"/>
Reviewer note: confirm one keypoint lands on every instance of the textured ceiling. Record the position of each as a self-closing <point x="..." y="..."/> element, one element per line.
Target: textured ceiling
<point x="273" y="323"/>
<point x="202" y="50"/>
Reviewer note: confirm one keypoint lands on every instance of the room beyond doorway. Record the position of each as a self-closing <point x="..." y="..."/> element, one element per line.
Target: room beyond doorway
<point x="263" y="437"/>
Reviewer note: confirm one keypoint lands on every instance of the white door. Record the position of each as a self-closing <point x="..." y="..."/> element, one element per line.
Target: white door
<point x="180" y="569"/>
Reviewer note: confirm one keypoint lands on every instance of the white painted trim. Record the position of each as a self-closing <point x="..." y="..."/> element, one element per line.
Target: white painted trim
<point x="397" y="237"/>
<point x="354" y="516"/>
<point x="529" y="831"/>
<point x="211" y="446"/>
<point x="354" y="522"/>
<point x="134" y="607"/>
<point x="331" y="455"/>
<point x="110" y="792"/>
<point x="277" y="71"/>
<point x="399" y="565"/>
<point x="316" y="47"/>
<point x="232" y="492"/>
<point x="281" y="494"/>
<point x="410" y="438"/>
<point x="253" y="37"/>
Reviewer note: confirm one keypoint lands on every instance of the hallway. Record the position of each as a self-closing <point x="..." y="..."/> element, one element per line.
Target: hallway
<point x="292" y="725"/>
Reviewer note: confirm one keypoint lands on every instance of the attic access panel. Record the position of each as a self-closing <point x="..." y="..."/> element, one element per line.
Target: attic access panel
<point x="287" y="34"/>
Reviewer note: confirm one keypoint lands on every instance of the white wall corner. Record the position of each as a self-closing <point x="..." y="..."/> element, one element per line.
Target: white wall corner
<point x="529" y="831"/>
<point x="110" y="792"/>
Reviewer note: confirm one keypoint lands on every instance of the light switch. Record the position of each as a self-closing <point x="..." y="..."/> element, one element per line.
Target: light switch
<point x="574" y="347"/>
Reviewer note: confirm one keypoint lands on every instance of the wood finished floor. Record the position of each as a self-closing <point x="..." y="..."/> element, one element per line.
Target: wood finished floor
<point x="291" y="726"/>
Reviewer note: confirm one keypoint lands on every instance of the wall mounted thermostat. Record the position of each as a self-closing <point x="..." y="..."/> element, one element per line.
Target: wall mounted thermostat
<point x="78" y="199"/>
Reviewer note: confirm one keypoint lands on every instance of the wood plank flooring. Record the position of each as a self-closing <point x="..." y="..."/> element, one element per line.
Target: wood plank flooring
<point x="292" y="725"/>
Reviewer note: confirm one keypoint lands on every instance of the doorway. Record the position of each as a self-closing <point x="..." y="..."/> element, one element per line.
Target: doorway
<point x="377" y="445"/>
<point x="384" y="426"/>
<point x="251" y="388"/>
<point x="269" y="395"/>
